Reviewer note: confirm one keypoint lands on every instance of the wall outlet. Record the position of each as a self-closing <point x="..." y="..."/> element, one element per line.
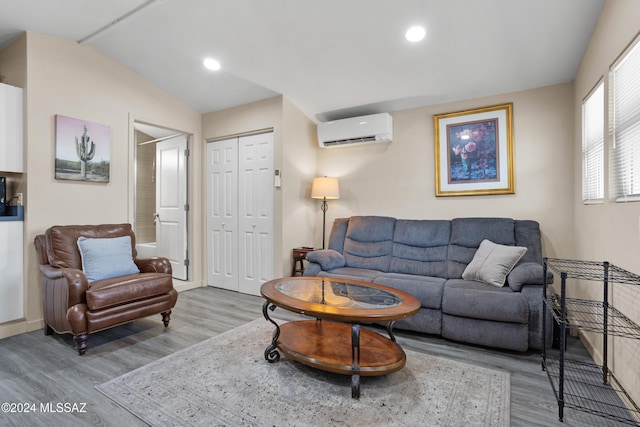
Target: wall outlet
<point x="19" y="199"/>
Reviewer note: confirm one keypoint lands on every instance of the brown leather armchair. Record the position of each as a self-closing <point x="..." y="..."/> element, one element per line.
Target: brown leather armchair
<point x="72" y="304"/>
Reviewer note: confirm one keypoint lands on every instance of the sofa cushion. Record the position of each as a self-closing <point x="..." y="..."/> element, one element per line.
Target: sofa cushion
<point x="420" y="247"/>
<point x="426" y="320"/>
<point x="121" y="290"/>
<point x="337" y="235"/>
<point x="510" y="336"/>
<point x="527" y="234"/>
<point x="428" y="290"/>
<point x="362" y="274"/>
<point x="369" y="242"/>
<point x="466" y="236"/>
<point x="477" y="300"/>
<point x="105" y="258"/>
<point x="492" y="263"/>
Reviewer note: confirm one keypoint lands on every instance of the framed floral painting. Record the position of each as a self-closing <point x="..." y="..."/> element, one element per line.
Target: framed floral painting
<point x="474" y="151"/>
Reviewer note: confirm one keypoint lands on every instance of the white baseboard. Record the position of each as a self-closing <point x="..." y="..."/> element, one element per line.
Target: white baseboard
<point x="181" y="286"/>
<point x="10" y="329"/>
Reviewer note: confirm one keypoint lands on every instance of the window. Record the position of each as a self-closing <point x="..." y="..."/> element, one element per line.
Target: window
<point x="593" y="146"/>
<point x="625" y="150"/>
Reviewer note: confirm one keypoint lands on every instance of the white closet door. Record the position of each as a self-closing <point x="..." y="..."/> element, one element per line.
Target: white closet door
<point x="255" y="181"/>
<point x="222" y="213"/>
<point x="240" y="212"/>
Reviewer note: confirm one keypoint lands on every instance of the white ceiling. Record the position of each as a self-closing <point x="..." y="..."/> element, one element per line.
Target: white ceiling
<point x="331" y="58"/>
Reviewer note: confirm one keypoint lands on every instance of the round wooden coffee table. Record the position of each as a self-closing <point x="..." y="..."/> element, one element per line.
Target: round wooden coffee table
<point x="334" y="341"/>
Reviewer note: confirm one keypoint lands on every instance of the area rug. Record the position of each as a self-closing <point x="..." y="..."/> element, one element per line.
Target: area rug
<point x="225" y="381"/>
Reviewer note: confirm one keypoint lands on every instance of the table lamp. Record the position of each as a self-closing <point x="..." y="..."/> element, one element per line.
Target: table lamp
<point x="325" y="189"/>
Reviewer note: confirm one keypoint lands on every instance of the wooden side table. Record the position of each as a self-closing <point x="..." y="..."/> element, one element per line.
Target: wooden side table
<point x="299" y="255"/>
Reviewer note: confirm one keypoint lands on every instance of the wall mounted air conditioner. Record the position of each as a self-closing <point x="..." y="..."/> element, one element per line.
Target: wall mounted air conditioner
<point x="356" y="130"/>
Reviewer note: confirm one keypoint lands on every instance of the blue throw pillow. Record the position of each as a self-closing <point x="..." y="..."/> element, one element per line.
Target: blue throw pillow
<point x="106" y="258"/>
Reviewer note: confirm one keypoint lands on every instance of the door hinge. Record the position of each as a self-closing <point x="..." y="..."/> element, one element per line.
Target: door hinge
<point x="186" y="263"/>
<point x="186" y="207"/>
<point x="186" y="152"/>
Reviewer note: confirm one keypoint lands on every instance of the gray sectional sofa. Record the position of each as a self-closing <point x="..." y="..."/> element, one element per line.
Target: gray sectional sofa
<point x="428" y="259"/>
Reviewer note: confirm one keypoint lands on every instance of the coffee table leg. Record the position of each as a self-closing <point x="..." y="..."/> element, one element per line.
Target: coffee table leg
<point x="355" y="360"/>
<point x="271" y="352"/>
<point x="390" y="330"/>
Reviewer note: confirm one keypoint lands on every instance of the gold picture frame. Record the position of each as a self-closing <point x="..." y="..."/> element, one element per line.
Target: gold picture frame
<point x="474" y="151"/>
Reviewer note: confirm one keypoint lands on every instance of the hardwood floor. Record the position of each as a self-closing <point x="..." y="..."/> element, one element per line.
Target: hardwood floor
<point x="39" y="370"/>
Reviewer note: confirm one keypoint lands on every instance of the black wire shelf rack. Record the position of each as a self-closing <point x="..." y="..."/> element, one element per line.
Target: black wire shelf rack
<point x="588" y="387"/>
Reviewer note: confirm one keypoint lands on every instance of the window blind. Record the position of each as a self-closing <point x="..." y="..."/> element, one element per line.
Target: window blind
<point x="593" y="146"/>
<point x="625" y="150"/>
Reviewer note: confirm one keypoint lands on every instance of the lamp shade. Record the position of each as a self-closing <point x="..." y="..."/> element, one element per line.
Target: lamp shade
<point x="325" y="188"/>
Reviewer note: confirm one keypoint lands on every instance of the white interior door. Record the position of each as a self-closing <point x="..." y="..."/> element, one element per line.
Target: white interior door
<point x="171" y="203"/>
<point x="240" y="212"/>
<point x="255" y="181"/>
<point x="222" y="213"/>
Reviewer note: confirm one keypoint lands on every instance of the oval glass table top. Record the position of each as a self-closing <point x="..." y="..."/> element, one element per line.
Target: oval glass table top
<point x="340" y="299"/>
<point x="338" y="294"/>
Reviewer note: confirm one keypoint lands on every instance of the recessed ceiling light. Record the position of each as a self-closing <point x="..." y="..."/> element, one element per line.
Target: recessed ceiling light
<point x="415" y="34"/>
<point x="212" y="64"/>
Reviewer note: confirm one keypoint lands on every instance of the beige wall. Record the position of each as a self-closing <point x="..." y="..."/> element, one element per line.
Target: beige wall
<point x="66" y="78"/>
<point x="610" y="231"/>
<point x="398" y="179"/>
<point x="299" y="211"/>
<point x="145" y="189"/>
<point x="294" y="156"/>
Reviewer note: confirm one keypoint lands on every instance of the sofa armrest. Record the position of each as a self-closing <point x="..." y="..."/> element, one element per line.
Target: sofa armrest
<point x="527" y="273"/>
<point x="313" y="269"/>
<point x="74" y="280"/>
<point x="327" y="258"/>
<point x="154" y="265"/>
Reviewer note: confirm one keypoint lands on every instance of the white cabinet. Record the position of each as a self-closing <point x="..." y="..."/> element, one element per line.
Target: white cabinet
<point x="11" y="288"/>
<point x="11" y="137"/>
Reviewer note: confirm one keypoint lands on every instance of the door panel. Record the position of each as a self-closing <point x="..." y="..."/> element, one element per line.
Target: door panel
<point x="256" y="207"/>
<point x="171" y="200"/>
<point x="222" y="213"/>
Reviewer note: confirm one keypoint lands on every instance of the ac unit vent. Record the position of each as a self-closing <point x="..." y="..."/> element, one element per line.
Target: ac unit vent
<point x="350" y="141"/>
<point x="356" y="130"/>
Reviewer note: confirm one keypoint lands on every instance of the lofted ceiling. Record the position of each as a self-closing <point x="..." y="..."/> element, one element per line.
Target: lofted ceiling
<point x="331" y="58"/>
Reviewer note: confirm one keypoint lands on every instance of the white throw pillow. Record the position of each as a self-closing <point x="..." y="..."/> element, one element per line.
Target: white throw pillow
<point x="492" y="263"/>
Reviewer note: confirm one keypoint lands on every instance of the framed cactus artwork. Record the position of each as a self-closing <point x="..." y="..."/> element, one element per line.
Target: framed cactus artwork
<point x="474" y="151"/>
<point x="82" y="150"/>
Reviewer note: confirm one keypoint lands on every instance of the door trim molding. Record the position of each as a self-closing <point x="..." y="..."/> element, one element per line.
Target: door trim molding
<point x="240" y="135"/>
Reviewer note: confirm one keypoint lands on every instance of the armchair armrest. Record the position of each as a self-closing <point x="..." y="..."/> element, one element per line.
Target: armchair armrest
<point x="153" y="265"/>
<point x="74" y="280"/>
<point x="327" y="258"/>
<point x="527" y="273"/>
